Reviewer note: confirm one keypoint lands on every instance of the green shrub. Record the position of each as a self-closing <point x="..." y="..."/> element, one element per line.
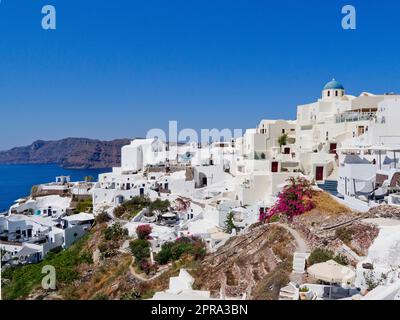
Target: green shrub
<point x="159" y="205"/>
<point x="172" y="251"/>
<point x="102" y="217"/>
<point x="344" y="234"/>
<point x="132" y="206"/>
<point x="84" y="206"/>
<point x="115" y="232"/>
<point x="119" y="211"/>
<point x="165" y="254"/>
<point x="86" y="257"/>
<point x="319" y="255"/>
<point x="132" y="295"/>
<point x="370" y="281"/>
<point x="341" y="259"/>
<point x="140" y="249"/>
<point x="108" y="249"/>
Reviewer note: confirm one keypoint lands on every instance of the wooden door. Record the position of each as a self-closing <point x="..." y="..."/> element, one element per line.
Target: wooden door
<point x="319" y="173"/>
<point x="333" y="148"/>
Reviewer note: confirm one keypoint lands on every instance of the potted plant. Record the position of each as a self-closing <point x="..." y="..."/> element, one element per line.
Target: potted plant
<point x="305" y="293"/>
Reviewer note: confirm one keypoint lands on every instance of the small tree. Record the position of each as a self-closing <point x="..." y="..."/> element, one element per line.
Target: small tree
<point x="229" y="224"/>
<point x="282" y="140"/>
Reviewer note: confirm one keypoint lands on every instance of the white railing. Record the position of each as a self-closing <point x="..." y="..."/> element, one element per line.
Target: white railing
<point x="354" y="116"/>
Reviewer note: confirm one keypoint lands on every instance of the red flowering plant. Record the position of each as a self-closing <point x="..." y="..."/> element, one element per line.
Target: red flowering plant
<point x="143" y="231"/>
<point x="294" y="200"/>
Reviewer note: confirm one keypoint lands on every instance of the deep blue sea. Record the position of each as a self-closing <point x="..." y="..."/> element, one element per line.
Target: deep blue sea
<point x="16" y="180"/>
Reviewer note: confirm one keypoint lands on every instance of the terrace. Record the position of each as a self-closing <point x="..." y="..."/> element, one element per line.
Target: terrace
<point x="355" y="116"/>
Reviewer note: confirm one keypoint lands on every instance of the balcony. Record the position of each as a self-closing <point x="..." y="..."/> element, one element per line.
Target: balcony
<point x="354" y="117"/>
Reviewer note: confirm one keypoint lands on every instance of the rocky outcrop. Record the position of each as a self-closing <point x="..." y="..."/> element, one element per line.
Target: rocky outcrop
<point x="385" y="211"/>
<point x="239" y="266"/>
<point x="69" y="153"/>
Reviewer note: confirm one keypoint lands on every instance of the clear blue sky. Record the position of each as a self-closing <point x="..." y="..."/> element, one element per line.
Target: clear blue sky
<point x="118" y="68"/>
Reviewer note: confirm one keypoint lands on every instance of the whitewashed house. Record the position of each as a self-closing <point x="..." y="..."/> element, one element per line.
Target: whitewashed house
<point x="322" y="126"/>
<point x="142" y="152"/>
<point x="28" y="239"/>
<point x="369" y="163"/>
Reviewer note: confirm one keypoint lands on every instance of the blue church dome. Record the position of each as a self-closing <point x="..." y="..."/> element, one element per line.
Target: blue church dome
<point x="332" y="85"/>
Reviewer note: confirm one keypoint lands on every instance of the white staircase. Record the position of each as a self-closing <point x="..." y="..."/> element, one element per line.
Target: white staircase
<point x="290" y="292"/>
<point x="299" y="262"/>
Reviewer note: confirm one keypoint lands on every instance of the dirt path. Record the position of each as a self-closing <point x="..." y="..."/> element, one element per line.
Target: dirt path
<point x="301" y="243"/>
<point x="142" y="278"/>
<point x="301" y="247"/>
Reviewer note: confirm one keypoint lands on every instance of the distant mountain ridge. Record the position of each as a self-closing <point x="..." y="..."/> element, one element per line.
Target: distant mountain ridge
<point x="74" y="153"/>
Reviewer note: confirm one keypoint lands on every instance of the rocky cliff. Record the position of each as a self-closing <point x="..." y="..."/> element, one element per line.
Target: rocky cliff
<point x="68" y="153"/>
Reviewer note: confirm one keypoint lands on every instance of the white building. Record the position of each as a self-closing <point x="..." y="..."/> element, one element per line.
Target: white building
<point x="259" y="149"/>
<point x="52" y="205"/>
<point x="29" y="238"/>
<point x="323" y="125"/>
<point x="142" y="152"/>
<point x="180" y="288"/>
<point x="369" y="163"/>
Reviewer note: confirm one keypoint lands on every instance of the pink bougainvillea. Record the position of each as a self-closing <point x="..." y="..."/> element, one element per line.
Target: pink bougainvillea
<point x="294" y="200"/>
<point x="143" y="231"/>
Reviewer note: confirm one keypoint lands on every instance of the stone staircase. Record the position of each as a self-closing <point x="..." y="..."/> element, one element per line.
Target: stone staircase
<point x="299" y="262"/>
<point x="290" y="292"/>
<point x="329" y="186"/>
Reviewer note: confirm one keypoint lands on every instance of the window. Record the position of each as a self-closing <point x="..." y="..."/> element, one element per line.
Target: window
<point x="336" y="93"/>
<point x="329" y="93"/>
<point x="283" y="131"/>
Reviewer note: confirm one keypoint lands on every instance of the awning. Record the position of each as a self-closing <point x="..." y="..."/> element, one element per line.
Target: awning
<point x="332" y="272"/>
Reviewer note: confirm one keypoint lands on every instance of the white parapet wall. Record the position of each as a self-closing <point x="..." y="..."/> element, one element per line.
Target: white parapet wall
<point x="354" y="204"/>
